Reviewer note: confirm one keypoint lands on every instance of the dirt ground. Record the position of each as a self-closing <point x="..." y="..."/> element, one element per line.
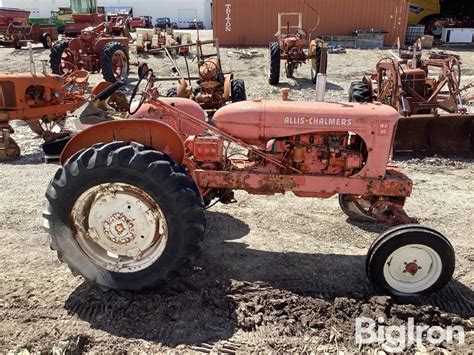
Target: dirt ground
<point x="277" y="273"/>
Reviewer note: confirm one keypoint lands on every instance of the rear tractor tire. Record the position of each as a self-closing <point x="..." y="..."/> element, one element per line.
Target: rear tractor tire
<point x="114" y="62"/>
<point x="237" y="90"/>
<point x="123" y="216"/>
<point x="359" y="91"/>
<point x="275" y="61"/>
<point x="410" y="260"/>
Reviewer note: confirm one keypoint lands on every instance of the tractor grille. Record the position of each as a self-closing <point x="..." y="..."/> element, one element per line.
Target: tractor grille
<point x="7" y="94"/>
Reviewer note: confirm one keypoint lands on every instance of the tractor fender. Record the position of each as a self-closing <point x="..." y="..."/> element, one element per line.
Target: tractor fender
<point x="227" y="88"/>
<point x="150" y="133"/>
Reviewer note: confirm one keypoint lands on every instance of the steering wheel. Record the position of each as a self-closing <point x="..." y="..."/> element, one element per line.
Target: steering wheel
<point x="301" y="34"/>
<point x="144" y="94"/>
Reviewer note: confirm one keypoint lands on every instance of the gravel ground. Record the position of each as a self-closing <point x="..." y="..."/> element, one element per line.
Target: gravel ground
<point x="277" y="273"/>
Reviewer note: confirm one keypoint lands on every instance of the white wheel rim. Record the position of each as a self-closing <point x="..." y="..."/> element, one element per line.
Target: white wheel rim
<point x="119" y="227"/>
<point x="412" y="268"/>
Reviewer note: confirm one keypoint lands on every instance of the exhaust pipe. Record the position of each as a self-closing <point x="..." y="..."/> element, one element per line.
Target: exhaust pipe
<point x="321" y="78"/>
<point x="320" y="87"/>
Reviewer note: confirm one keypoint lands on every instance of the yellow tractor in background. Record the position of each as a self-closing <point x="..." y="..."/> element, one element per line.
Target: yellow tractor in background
<point x="438" y="14"/>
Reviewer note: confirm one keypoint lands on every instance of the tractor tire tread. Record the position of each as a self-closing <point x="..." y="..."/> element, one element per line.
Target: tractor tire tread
<point x="237" y="90"/>
<point x="106" y="61"/>
<point x="56" y="54"/>
<point x="275" y="63"/>
<point x="158" y="171"/>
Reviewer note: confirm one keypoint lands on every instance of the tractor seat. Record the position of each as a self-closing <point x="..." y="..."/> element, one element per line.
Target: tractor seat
<point x="79" y="76"/>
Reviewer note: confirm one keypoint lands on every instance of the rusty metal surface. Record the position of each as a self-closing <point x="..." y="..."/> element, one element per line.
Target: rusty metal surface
<point x="150" y="133"/>
<point x="394" y="184"/>
<point x="250" y="22"/>
<point x="427" y="94"/>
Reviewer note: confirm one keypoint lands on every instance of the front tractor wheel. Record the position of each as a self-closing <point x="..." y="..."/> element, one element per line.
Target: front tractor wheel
<point x="274" y="73"/>
<point x="62" y="59"/>
<point x="122" y="216"/>
<point x="114" y="62"/>
<point x="410" y="260"/>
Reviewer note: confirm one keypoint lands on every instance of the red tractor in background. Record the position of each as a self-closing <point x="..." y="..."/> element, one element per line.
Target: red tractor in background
<point x="295" y="47"/>
<point x="96" y="49"/>
<point x="126" y="209"/>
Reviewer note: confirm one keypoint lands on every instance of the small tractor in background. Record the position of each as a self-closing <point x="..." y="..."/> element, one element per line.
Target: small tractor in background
<point x="296" y="47"/>
<point x="214" y="88"/>
<point x="96" y="49"/>
<point x="126" y="209"/>
<point x="420" y="88"/>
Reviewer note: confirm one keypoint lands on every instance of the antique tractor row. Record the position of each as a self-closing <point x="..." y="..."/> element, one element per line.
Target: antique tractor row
<point x="426" y="91"/>
<point x="126" y="209"/>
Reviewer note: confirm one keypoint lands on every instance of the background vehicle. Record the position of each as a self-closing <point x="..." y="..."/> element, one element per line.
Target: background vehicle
<point x="96" y="49"/>
<point x="142" y="22"/>
<point x="420" y="89"/>
<point x="213" y="88"/>
<point x="296" y="48"/>
<point x="18" y="36"/>
<point x="12" y="16"/>
<point x="437" y="14"/>
<point x="85" y="13"/>
<point x="163" y="22"/>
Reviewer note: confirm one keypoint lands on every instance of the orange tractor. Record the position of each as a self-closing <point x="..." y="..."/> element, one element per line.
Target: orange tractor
<point x="41" y="100"/>
<point x="97" y="49"/>
<point x="427" y="93"/>
<point x="296" y="48"/>
<point x="126" y="208"/>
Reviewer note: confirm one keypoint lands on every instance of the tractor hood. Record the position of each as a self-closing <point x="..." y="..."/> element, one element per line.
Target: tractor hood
<point x="258" y="121"/>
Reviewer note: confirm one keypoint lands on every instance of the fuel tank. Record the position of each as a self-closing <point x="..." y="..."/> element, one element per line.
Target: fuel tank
<point x="153" y="112"/>
<point x="257" y="121"/>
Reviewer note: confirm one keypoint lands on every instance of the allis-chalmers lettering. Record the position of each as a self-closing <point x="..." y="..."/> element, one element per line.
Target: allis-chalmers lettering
<point x="317" y="121"/>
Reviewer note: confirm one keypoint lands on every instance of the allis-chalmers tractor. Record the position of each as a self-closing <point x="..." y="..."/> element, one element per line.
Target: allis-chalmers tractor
<point x="296" y="48"/>
<point x="126" y="209"/>
<point x="42" y="100"/>
<point x="95" y="49"/>
<point x="420" y="89"/>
